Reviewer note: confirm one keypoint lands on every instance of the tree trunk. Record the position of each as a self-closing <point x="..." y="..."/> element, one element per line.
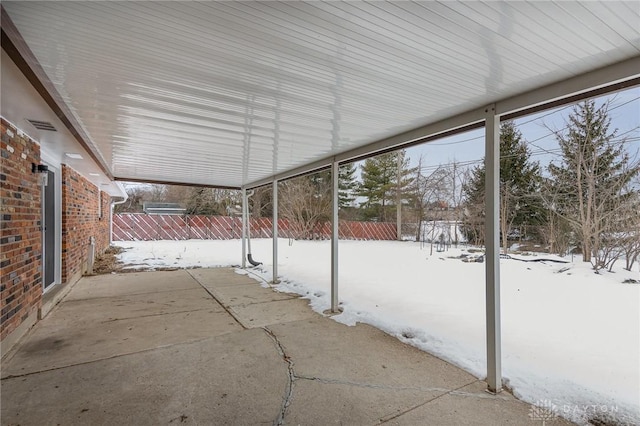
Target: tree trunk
<point x="586" y="250"/>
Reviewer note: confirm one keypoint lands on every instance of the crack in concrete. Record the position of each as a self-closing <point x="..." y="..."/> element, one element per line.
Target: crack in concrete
<point x="388" y="418"/>
<point x="329" y="381"/>
<point x="153" y="315"/>
<point x="89" y="298"/>
<point x="288" y="393"/>
<point x="213" y="296"/>
<point x="369" y="385"/>
<point x="484" y="395"/>
<point x="245" y="304"/>
<point x="292" y="376"/>
<point x="453" y="392"/>
<point x="91" y="361"/>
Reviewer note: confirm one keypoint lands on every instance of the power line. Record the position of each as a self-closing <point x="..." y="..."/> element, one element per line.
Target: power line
<point x="532" y="120"/>
<point x="532" y="153"/>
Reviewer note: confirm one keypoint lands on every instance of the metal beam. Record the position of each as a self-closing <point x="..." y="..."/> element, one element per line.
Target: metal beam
<point x="244" y="227"/>
<point x="335" y="167"/>
<point x="492" y="249"/>
<point x="275" y="232"/>
<point x="599" y="82"/>
<point x="171" y="182"/>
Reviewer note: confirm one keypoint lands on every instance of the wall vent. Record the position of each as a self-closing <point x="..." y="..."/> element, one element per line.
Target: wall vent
<point x="42" y="125"/>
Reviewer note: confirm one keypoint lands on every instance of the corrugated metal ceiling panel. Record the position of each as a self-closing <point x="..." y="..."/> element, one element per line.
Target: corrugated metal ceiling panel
<point x="227" y="93"/>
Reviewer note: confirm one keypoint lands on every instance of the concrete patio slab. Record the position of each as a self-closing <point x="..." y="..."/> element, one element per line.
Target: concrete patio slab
<point x="102" y="319"/>
<point x="131" y="283"/>
<point x="251" y="304"/>
<point x="237" y="379"/>
<point x="241" y="292"/>
<point x="275" y="312"/>
<point x="471" y="405"/>
<point x="324" y="349"/>
<point x="220" y="277"/>
<point x="57" y="345"/>
<point x="128" y="352"/>
<point x="247" y="295"/>
<point x="137" y="305"/>
<point x="326" y="403"/>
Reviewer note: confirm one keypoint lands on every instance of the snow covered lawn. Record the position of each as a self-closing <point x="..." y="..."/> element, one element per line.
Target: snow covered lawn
<point x="571" y="338"/>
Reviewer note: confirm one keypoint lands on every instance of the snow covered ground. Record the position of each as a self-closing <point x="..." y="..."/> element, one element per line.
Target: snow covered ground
<point x="571" y="338"/>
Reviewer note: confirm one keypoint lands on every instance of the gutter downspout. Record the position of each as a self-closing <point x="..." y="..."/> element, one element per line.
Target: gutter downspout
<point x="125" y="197"/>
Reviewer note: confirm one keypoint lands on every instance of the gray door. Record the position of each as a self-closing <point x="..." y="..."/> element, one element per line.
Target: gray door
<point x="49" y="221"/>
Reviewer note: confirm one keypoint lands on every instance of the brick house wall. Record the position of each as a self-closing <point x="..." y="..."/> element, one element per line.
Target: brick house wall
<point x="85" y="213"/>
<point x="20" y="235"/>
<point x="80" y="221"/>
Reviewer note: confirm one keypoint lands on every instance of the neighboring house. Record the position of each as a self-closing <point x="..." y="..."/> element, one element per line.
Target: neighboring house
<point x="55" y="207"/>
<point x="163" y="208"/>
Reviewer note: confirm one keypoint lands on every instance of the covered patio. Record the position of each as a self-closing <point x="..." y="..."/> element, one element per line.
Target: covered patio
<point x="242" y="95"/>
<point x="211" y="346"/>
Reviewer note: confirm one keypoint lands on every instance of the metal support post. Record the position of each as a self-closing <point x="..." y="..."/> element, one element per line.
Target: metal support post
<point x="275" y="232"/>
<point x="400" y="157"/>
<point x="335" y="168"/>
<point x="244" y="228"/>
<point x="492" y="252"/>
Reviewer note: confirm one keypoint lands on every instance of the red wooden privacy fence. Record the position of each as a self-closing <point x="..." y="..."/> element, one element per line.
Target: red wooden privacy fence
<point x="143" y="227"/>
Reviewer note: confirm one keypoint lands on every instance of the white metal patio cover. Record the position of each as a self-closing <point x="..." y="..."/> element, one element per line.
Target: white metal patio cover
<point x="237" y="94"/>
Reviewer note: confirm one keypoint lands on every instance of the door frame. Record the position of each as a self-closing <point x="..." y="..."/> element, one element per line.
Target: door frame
<point x="57" y="181"/>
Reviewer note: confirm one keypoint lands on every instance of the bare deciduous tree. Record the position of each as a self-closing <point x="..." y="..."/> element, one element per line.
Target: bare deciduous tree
<point x="306" y="204"/>
<point x="590" y="188"/>
<point x="459" y="177"/>
<point x="157" y="192"/>
<point x="430" y="191"/>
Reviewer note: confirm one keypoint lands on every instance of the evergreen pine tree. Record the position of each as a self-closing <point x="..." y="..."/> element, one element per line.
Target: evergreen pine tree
<point x="591" y="180"/>
<point x="519" y="184"/>
<point x="380" y="184"/>
<point x="347" y="185"/>
<point x="200" y="201"/>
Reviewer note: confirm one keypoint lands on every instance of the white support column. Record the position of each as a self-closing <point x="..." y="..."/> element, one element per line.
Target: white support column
<point x="275" y="232"/>
<point x="492" y="245"/>
<point x="244" y="228"/>
<point x="398" y="197"/>
<point x="334" y="237"/>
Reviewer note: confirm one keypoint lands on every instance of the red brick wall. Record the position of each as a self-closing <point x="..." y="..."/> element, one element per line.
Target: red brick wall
<point x="80" y="221"/>
<point x="20" y="235"/>
<point x="103" y="239"/>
